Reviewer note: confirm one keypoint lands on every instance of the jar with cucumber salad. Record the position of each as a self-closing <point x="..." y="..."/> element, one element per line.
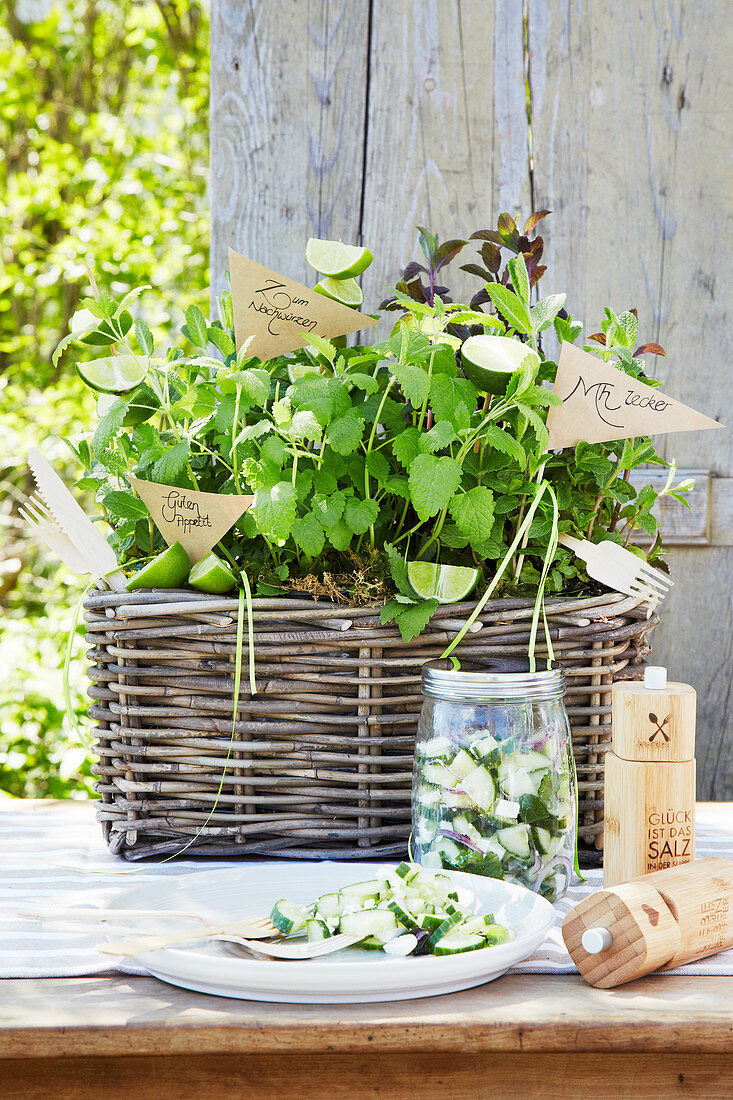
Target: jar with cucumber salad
<point x="493" y="783"/>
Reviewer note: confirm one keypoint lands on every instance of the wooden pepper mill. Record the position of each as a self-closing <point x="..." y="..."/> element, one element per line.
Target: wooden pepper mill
<point x="649" y="778"/>
<point x="657" y="922"/>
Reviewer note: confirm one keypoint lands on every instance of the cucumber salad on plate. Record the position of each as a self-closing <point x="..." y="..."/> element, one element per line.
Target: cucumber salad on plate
<point x="495" y="806"/>
<point x="405" y="912"/>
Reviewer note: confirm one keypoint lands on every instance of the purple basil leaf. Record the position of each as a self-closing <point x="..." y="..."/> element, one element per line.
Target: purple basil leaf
<point x="447" y="251"/>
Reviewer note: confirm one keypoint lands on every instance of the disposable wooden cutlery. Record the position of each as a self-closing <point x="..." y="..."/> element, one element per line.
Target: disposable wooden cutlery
<point x="70" y="520"/>
<point x="281" y="950"/>
<point x="253" y="929"/>
<point x="619" y="569"/>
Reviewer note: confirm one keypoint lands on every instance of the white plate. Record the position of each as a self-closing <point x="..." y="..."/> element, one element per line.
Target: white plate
<point x="346" y="977"/>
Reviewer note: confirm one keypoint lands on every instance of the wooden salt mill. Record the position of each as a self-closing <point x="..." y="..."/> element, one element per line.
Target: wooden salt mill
<point x="649" y="820"/>
<point x="657" y="922"/>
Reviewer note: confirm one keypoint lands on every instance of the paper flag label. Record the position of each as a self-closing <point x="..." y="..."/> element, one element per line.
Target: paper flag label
<point x="196" y="520"/>
<point x="281" y="314"/>
<point x="601" y="402"/>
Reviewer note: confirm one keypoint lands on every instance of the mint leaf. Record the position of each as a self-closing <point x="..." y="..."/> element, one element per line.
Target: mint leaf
<point x="452" y="399"/>
<point x="406" y="446"/>
<point x="225" y="414"/>
<point x="363" y="382"/>
<point x="254" y="431"/>
<point x="433" y="481"/>
<point x="329" y="509"/>
<point x="312" y="393"/>
<point x="377" y="465"/>
<point x="398" y="487"/>
<point x="170" y="464"/>
<point x="439" y="436"/>
<point x="109" y="426"/>
<point x="274" y="451"/>
<point x="339" y="536"/>
<point x="411" y="619"/>
<point x="414" y="381"/>
<point x="344" y="433"/>
<point x="398" y="569"/>
<point x="124" y="505"/>
<point x="255" y="385"/>
<point x="510" y="307"/>
<point x="196" y="327"/>
<point x="144" y="337"/>
<point x="308" y="535"/>
<point x="507" y="444"/>
<point x="325" y="347"/>
<point x="304" y="425"/>
<point x="473" y="513"/>
<point x="520" y="279"/>
<point x="544" y="313"/>
<point x="222" y="340"/>
<point x="274" y="509"/>
<point x="359" y="515"/>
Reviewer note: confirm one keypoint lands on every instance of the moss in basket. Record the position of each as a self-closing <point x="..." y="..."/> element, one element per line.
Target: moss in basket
<point x="362" y="459"/>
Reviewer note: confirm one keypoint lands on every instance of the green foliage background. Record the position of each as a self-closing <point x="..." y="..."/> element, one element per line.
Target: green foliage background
<point x="103" y="164"/>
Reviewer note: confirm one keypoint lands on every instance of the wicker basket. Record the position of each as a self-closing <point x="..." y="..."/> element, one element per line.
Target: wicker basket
<point x="320" y="765"/>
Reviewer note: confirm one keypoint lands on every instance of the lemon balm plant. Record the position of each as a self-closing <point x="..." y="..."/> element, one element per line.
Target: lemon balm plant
<point x="399" y="472"/>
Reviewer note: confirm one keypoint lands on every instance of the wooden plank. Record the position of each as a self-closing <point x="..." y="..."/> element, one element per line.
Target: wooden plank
<point x="447" y="129"/>
<point x="123" y="1015"/>
<point x="629" y="118"/>
<point x="288" y="85"/>
<point x="679" y="524"/>
<point x="569" y="1076"/>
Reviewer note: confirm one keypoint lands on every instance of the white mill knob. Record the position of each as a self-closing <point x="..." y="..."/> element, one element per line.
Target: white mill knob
<point x="655" y="677"/>
<point x="596" y="940"/>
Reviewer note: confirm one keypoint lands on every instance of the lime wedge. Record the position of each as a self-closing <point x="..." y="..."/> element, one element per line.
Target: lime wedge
<point x="346" y="291"/>
<point x="340" y="261"/>
<point x="168" y="570"/>
<point x="211" y="574"/>
<point x="490" y="361"/>
<point x="444" y="583"/>
<point x="296" y="371"/>
<point x="113" y="374"/>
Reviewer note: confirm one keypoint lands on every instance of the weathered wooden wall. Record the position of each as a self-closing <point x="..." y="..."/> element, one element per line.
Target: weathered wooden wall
<point x="361" y="118"/>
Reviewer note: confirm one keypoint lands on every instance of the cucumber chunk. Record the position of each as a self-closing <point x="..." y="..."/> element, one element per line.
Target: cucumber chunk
<point x="289" y="917"/>
<point x="479" y="786"/>
<point x="515" y="840"/>
<point x="458" y="943"/>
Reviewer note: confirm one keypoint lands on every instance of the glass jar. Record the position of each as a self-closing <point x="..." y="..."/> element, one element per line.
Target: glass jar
<point x="494" y="785"/>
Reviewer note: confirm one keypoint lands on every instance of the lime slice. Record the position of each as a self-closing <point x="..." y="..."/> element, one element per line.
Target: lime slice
<point x="490" y="361"/>
<point x="444" y="583"/>
<point x="211" y="574"/>
<point x="296" y="371"/>
<point x="340" y="261"/>
<point x="168" y="570"/>
<point x="113" y="374"/>
<point x="346" y="291"/>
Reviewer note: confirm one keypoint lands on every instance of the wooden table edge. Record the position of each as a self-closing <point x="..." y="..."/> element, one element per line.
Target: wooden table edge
<point x="527" y="1014"/>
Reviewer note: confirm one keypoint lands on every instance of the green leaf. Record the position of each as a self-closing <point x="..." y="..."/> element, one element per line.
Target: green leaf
<point x="144" y="337"/>
<point x="473" y="513"/>
<point x="510" y="307"/>
<point x="196" y="327"/>
<point x="109" y="426"/>
<point x="359" y="515"/>
<point x="377" y="465"/>
<point x="222" y="340"/>
<point x="312" y="392"/>
<point x="305" y="425"/>
<point x="274" y="508"/>
<point x="544" y="313"/>
<point x="344" y="433"/>
<point x="325" y="347"/>
<point x="124" y="505"/>
<point x="255" y="385"/>
<point x="415" y="382"/>
<point x="308" y="535"/>
<point x="224" y="417"/>
<point x="398" y="486"/>
<point x="339" y="536"/>
<point x="520" y="279"/>
<point x="363" y="382"/>
<point x="274" y="451"/>
<point x="472" y="317"/>
<point x="170" y="464"/>
<point x="68" y="339"/>
<point x="411" y="619"/>
<point x="433" y="481"/>
<point x="439" y="436"/>
<point x="329" y="509"/>
<point x="398" y="569"/>
<point x="406" y="446"/>
<point x="452" y="399"/>
<point x="504" y="442"/>
<point x="253" y="431"/>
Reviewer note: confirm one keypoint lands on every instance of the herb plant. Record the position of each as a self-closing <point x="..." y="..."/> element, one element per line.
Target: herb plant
<point x="362" y="459"/>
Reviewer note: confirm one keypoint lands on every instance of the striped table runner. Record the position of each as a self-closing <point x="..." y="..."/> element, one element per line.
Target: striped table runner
<point x="52" y="855"/>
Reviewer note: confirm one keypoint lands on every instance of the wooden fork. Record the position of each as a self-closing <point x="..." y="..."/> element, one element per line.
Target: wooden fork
<point x="296" y="950"/>
<point x="254" y="929"/>
<point x="618" y="568"/>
